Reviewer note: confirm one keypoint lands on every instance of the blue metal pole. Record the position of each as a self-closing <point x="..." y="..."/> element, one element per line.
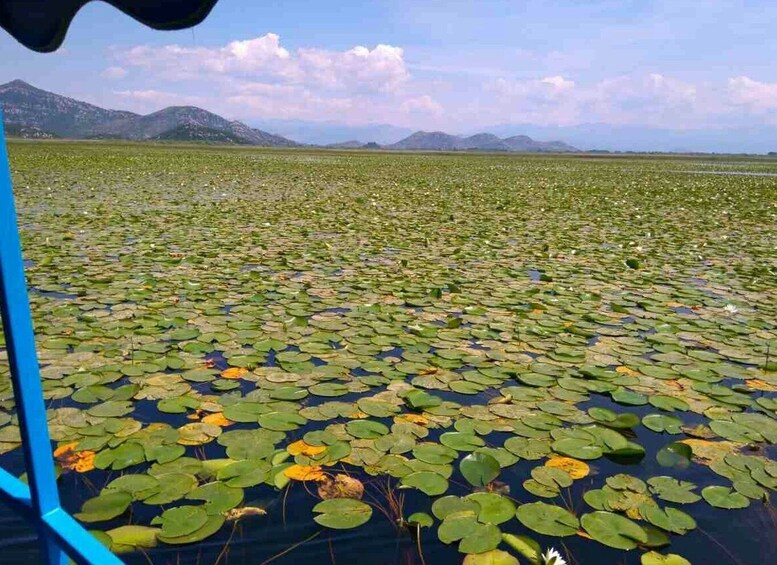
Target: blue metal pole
<point x="23" y="359"/>
<point x="28" y="392"/>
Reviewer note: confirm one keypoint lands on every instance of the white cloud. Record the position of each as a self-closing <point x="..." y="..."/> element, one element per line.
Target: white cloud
<point x="622" y="99"/>
<point x="422" y="104"/>
<point x="551" y="87"/>
<point x="263" y="58"/>
<point x="153" y="100"/>
<point x="114" y="72"/>
<point x="756" y="96"/>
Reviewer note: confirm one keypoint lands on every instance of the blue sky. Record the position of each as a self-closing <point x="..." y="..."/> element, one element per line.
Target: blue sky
<point x="453" y="65"/>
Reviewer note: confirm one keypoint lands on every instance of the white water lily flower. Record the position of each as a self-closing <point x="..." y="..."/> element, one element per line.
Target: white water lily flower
<point x="731" y="309"/>
<point x="552" y="557"/>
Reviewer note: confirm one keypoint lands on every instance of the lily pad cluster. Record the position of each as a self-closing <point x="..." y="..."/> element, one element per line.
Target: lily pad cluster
<point x="214" y="324"/>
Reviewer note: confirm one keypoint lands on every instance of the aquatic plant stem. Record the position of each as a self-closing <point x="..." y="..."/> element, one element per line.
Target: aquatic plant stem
<point x="721" y="546"/>
<point x="290" y="548"/>
<point x="418" y="543"/>
<point x="225" y="550"/>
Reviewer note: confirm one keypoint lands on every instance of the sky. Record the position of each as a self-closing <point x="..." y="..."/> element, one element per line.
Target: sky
<point x="454" y="65"/>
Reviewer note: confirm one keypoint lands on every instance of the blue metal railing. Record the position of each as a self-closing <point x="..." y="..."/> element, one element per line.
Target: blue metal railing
<point x="38" y="502"/>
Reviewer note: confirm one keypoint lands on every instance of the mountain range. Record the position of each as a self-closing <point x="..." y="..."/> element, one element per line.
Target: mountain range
<point x="31" y="112"/>
<point x="437" y="140"/>
<point x="38" y="113"/>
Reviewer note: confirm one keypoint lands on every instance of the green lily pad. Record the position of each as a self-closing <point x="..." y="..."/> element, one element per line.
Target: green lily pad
<point x="419" y="400"/>
<point x="218" y="497"/>
<point x="125" y="539"/>
<point x="450" y="504"/>
<point x="661" y="423"/>
<point x="242" y="474"/>
<point x="366" y="429"/>
<point x="480" y="539"/>
<point x="547" y="519"/>
<point x="342" y="513"/>
<point x="493" y="557"/>
<point x="654" y="558"/>
<point x="181" y="521"/>
<point x="479" y="469"/>
<point x="461" y="441"/>
<point x="426" y="481"/>
<point x="104" y="507"/>
<point x="672" y="490"/>
<point x="281" y="421"/>
<point x="211" y="526"/>
<point x="524" y="545"/>
<point x="669" y="519"/>
<point x="172" y="487"/>
<point x="724" y="497"/>
<point x="457" y="525"/>
<point x="137" y="486"/>
<point x="613" y="530"/>
<point x="677" y="455"/>
<point x="420" y="519"/>
<point x="434" y="453"/>
<point x="578" y="448"/>
<point x="493" y="508"/>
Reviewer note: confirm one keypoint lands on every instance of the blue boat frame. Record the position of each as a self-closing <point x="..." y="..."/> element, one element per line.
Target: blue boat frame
<point x="62" y="536"/>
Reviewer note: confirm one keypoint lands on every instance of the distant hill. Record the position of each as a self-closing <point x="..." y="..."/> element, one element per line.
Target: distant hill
<point x="350" y="144"/>
<point x="25" y="106"/>
<point x="440" y="141"/>
<point x="27" y="132"/>
<point x="198" y="133"/>
<point x="38" y="114"/>
<point x="318" y="132"/>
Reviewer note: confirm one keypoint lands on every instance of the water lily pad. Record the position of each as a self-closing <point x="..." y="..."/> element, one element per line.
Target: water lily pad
<point x="104" y="507"/>
<point x="342" y="513"/>
<point x="573" y="467"/>
<point x="281" y="421"/>
<point x="524" y="545"/>
<point x="247" y="473"/>
<point x="479" y="469"/>
<point x="672" y="490"/>
<point x="218" y="497"/>
<point x="366" y="429"/>
<point x="578" y="448"/>
<point x="547" y="519"/>
<point x="493" y="557"/>
<point x="420" y="519"/>
<point x="137" y="486"/>
<point x="419" y="400"/>
<point x="654" y="558"/>
<point x="131" y="538"/>
<point x="457" y="525"/>
<point x="450" y="504"/>
<point x="434" y="453"/>
<point x="181" y="521"/>
<point x="724" y="497"/>
<point x="480" y="539"/>
<point x="669" y="519"/>
<point x="211" y="526"/>
<point x="172" y="487"/>
<point x="662" y="423"/>
<point x="613" y="530"/>
<point x="677" y="455"/>
<point x="126" y="455"/>
<point x="493" y="508"/>
<point x="426" y="481"/>
<point x="461" y="441"/>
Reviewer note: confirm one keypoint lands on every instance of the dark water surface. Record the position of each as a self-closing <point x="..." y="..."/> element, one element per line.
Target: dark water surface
<point x="722" y="537"/>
